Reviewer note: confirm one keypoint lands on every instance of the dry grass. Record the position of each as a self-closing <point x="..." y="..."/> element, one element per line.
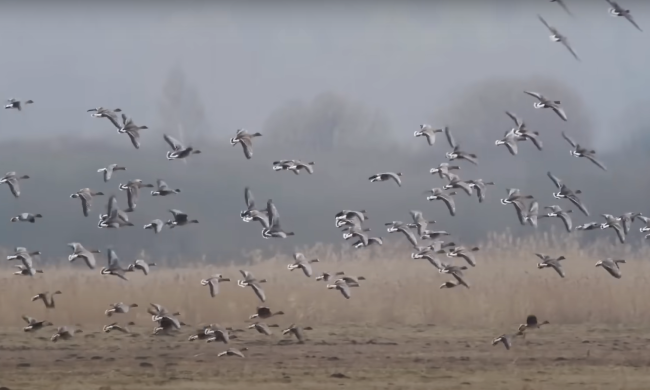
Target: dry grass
<point x="505" y="287"/>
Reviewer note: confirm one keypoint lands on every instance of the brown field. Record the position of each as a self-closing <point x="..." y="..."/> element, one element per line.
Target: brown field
<point x="399" y="330"/>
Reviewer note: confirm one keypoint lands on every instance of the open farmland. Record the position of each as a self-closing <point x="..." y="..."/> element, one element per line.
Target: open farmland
<point x="399" y="330"/>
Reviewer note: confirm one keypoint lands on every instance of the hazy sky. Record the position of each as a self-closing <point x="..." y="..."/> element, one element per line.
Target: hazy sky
<point x="247" y="58"/>
<point x="410" y="61"/>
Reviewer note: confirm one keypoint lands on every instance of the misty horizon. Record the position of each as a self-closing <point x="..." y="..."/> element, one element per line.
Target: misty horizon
<point x="344" y="85"/>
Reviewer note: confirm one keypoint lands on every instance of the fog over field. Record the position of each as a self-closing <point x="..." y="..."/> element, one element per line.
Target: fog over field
<point x="343" y="84"/>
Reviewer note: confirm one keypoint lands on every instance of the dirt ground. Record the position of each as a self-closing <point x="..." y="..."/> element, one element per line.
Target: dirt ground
<point x="355" y="357"/>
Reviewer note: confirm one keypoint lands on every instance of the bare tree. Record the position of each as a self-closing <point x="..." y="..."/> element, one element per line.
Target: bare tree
<point x="181" y="110"/>
<point x="477" y="112"/>
<point x="328" y="122"/>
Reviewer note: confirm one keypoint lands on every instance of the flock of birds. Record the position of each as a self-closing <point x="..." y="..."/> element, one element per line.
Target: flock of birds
<point x="351" y="221"/>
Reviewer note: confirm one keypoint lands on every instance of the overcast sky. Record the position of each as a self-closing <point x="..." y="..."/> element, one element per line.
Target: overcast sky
<point x="410" y="61"/>
<point x="247" y="58"/>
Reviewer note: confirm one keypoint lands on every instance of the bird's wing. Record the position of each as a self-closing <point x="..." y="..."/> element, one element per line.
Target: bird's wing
<point x="566" y="44"/>
<point x="113" y="260"/>
<point x="595" y="161"/>
<point x="556" y="181"/>
<point x="631" y="20"/>
<point x="541" y="19"/>
<point x="451" y="204"/>
<point x="173" y="142"/>
<point x="14" y="187"/>
<point x="511" y="144"/>
<point x="560" y="112"/>
<point x="274" y="216"/>
<point x="450" y="137"/>
<point x="515" y="118"/>
<point x="539" y="96"/>
<point x="409" y="235"/>
<point x="557" y="268"/>
<point x="619" y="232"/>
<point x="569" y="139"/>
<point x="566" y="219"/>
<point x="259" y="292"/>
<point x="248" y="197"/>
<point x="247" y="146"/>
<point x="576" y="201"/>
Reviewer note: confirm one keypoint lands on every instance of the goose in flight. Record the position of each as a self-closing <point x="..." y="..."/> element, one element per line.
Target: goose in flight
<point x="132" y="130"/>
<point x="616" y="10"/>
<point x="505" y="339"/>
<point x="480" y="186"/>
<point x="17" y="104"/>
<point x="132" y="189"/>
<point x="213" y="283"/>
<point x="114" y="267"/>
<point x="419" y="222"/>
<point x="566" y="193"/>
<point x="384" y="176"/>
<point x="531" y="323"/>
<point x="101" y="112"/>
<point x="232" y="352"/>
<point x="249" y="199"/>
<point x="11" y="179"/>
<point x="49" y="304"/>
<point x="300" y="261"/>
<point x="164" y="189"/>
<point x="579" y="151"/>
<point x="456" y="152"/>
<point x="350" y="214"/>
<point x="265" y="312"/>
<point x="27" y="271"/>
<point x="86" y="196"/>
<point x="179" y="151"/>
<point x="398" y="226"/>
<point x="443" y="170"/>
<point x="33" y="324"/>
<point x="462" y="252"/>
<point x="141" y="265"/>
<point x="543" y="102"/>
<point x="78" y="251"/>
<point x="250" y="281"/>
<point x="456" y="182"/>
<point x="246" y="140"/>
<point x="119" y="308"/>
<point x="611" y="266"/>
<point x="556" y="36"/>
<point x="549" y="262"/>
<point x="22" y="254"/>
<point x="556" y="211"/>
<point x="342" y="286"/>
<point x="439" y="194"/>
<point x="429" y="132"/>
<point x="614" y="223"/>
<point x="65" y="333"/>
<point x="456" y="272"/>
<point x="180" y="219"/>
<point x="627" y="219"/>
<point x="26" y="217"/>
<point x="262" y="328"/>
<point x="108" y="171"/>
<point x="274" y="230"/>
<point x="156" y="225"/>
<point x="371" y="241"/>
<point x="297" y="331"/>
<point x="114" y="217"/>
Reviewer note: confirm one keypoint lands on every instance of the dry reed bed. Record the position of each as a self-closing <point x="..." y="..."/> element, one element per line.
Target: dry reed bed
<point x="505" y="287"/>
